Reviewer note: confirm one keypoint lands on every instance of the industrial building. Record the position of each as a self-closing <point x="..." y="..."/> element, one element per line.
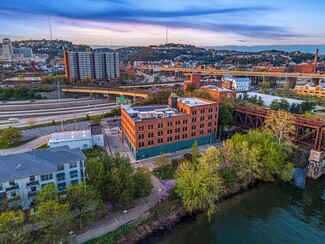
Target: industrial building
<point x="22" y="175"/>
<point x="95" y="65"/>
<point x="218" y="93"/>
<point x="311" y="89"/>
<point x="10" y="53"/>
<point x="152" y="130"/>
<point x="82" y="139"/>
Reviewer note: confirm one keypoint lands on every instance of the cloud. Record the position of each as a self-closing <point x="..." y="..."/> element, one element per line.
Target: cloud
<point x="206" y="17"/>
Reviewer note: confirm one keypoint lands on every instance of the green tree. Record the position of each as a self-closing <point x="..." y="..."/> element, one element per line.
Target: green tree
<point x="141" y="182"/>
<point x="84" y="201"/>
<point x="199" y="187"/>
<point x="275" y="105"/>
<point x="264" y="86"/>
<point x="53" y="221"/>
<point x="162" y="160"/>
<point x="47" y="193"/>
<point x="12" y="227"/>
<point x="226" y="114"/>
<point x="195" y="152"/>
<point x="284" y="104"/>
<point x="11" y="135"/>
<point x="242" y="158"/>
<point x="260" y="101"/>
<point x="96" y="119"/>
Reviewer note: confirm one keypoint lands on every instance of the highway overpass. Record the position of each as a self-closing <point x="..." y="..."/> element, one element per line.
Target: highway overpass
<point x="109" y="91"/>
<point x="241" y="73"/>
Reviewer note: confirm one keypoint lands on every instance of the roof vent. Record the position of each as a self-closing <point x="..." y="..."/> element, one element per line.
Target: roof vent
<point x="18" y="166"/>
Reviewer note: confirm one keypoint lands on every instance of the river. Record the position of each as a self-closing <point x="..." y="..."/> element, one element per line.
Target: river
<point x="271" y="213"/>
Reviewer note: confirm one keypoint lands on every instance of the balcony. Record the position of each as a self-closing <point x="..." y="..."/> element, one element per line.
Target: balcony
<point x="32" y="183"/>
<point x="12" y="187"/>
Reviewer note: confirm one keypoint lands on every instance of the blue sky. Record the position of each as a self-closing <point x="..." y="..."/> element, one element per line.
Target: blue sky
<point x="143" y="22"/>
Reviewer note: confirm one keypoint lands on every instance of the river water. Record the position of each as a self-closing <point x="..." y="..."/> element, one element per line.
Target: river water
<point x="272" y="213"/>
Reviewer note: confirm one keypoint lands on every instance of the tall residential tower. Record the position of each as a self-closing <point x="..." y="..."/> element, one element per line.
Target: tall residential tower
<point x="95" y="65"/>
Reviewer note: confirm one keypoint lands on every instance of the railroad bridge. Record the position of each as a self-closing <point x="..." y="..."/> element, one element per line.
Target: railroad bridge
<point x="309" y="131"/>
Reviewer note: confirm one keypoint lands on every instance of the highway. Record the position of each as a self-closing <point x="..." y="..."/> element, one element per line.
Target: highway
<point x="49" y="119"/>
<point x="241" y="73"/>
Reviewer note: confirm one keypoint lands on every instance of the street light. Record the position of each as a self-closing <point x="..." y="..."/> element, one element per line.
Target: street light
<point x="71" y="234"/>
<point x="125" y="211"/>
<point x="159" y="200"/>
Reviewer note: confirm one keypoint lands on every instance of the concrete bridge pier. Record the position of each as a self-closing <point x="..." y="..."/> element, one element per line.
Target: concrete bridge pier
<point x="291" y="82"/>
<point x="316" y="167"/>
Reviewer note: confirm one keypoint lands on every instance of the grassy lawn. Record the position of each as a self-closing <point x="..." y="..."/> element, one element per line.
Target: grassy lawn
<point x="93" y="152"/>
<point x="166" y="172"/>
<point x="42" y="146"/>
<point x="3" y="145"/>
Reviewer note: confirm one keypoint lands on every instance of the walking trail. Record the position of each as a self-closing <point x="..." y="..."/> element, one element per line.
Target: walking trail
<point x="115" y="220"/>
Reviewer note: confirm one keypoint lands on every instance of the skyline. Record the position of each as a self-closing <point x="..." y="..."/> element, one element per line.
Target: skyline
<point x="207" y="23"/>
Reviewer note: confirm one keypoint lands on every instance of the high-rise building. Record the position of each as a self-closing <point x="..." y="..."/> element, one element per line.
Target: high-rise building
<point x="9" y="53"/>
<point x="95" y="65"/>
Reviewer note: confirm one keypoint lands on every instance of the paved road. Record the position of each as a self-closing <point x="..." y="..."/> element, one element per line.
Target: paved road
<point x="26" y="147"/>
<point x="117" y="219"/>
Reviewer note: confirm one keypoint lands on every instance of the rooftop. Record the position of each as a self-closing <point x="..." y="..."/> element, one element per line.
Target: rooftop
<point x="21" y="165"/>
<point x="212" y="87"/>
<point x="192" y="101"/>
<point x="243" y="79"/>
<point x="70" y="136"/>
<point x="150" y="112"/>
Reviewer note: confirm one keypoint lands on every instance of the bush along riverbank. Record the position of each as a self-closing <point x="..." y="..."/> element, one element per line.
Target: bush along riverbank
<point x="204" y="180"/>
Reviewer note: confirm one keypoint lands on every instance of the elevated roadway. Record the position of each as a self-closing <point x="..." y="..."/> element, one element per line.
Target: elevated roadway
<point x="109" y="91"/>
<point x="241" y="73"/>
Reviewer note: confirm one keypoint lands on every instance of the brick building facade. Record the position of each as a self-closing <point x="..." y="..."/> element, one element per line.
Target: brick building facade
<point x="153" y="130"/>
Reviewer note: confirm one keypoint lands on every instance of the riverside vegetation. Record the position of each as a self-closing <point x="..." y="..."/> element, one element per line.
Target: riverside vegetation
<point x="204" y="180"/>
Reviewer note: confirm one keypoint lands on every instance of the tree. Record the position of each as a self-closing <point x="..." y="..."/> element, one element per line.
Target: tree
<point x="195" y="152"/>
<point x="281" y="123"/>
<point x="307" y="106"/>
<point x="31" y="121"/>
<point x="226" y="114"/>
<point x="96" y="119"/>
<point x="199" y="187"/>
<point x="284" y="104"/>
<point x="264" y="86"/>
<point x="112" y="177"/>
<point x="11" y="135"/>
<point x="48" y="193"/>
<point x="242" y="158"/>
<point x="86" y="80"/>
<point x="53" y="221"/>
<point x="260" y="101"/>
<point x="13" y="228"/>
<point x="142" y="182"/>
<point x="162" y="160"/>
<point x="83" y="201"/>
<point x="190" y="87"/>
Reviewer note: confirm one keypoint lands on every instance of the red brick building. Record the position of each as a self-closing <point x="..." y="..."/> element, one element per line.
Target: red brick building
<point x="219" y="94"/>
<point x="153" y="130"/>
<point x="306" y="68"/>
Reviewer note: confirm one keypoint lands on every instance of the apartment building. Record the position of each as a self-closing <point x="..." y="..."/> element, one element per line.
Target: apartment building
<point x="311" y="89"/>
<point x="152" y="130"/>
<point x="95" y="65"/>
<point x="23" y="174"/>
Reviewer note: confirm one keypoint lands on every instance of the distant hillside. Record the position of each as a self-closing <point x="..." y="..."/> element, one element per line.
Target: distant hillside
<point x="166" y="52"/>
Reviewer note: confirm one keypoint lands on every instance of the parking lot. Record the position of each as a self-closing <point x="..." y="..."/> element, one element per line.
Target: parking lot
<point x="37" y="132"/>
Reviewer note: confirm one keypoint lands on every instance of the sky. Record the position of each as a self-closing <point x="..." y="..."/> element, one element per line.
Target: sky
<point x="144" y="22"/>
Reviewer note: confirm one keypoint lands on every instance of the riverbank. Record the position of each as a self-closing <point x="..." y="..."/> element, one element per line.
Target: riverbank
<point x="161" y="219"/>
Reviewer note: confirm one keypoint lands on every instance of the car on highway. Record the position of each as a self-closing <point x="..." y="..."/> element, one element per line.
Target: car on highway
<point x="13" y="119"/>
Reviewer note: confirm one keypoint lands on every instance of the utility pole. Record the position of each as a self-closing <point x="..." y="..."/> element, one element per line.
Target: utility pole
<point x="75" y="120"/>
<point x="50" y="27"/>
<point x="58" y="85"/>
